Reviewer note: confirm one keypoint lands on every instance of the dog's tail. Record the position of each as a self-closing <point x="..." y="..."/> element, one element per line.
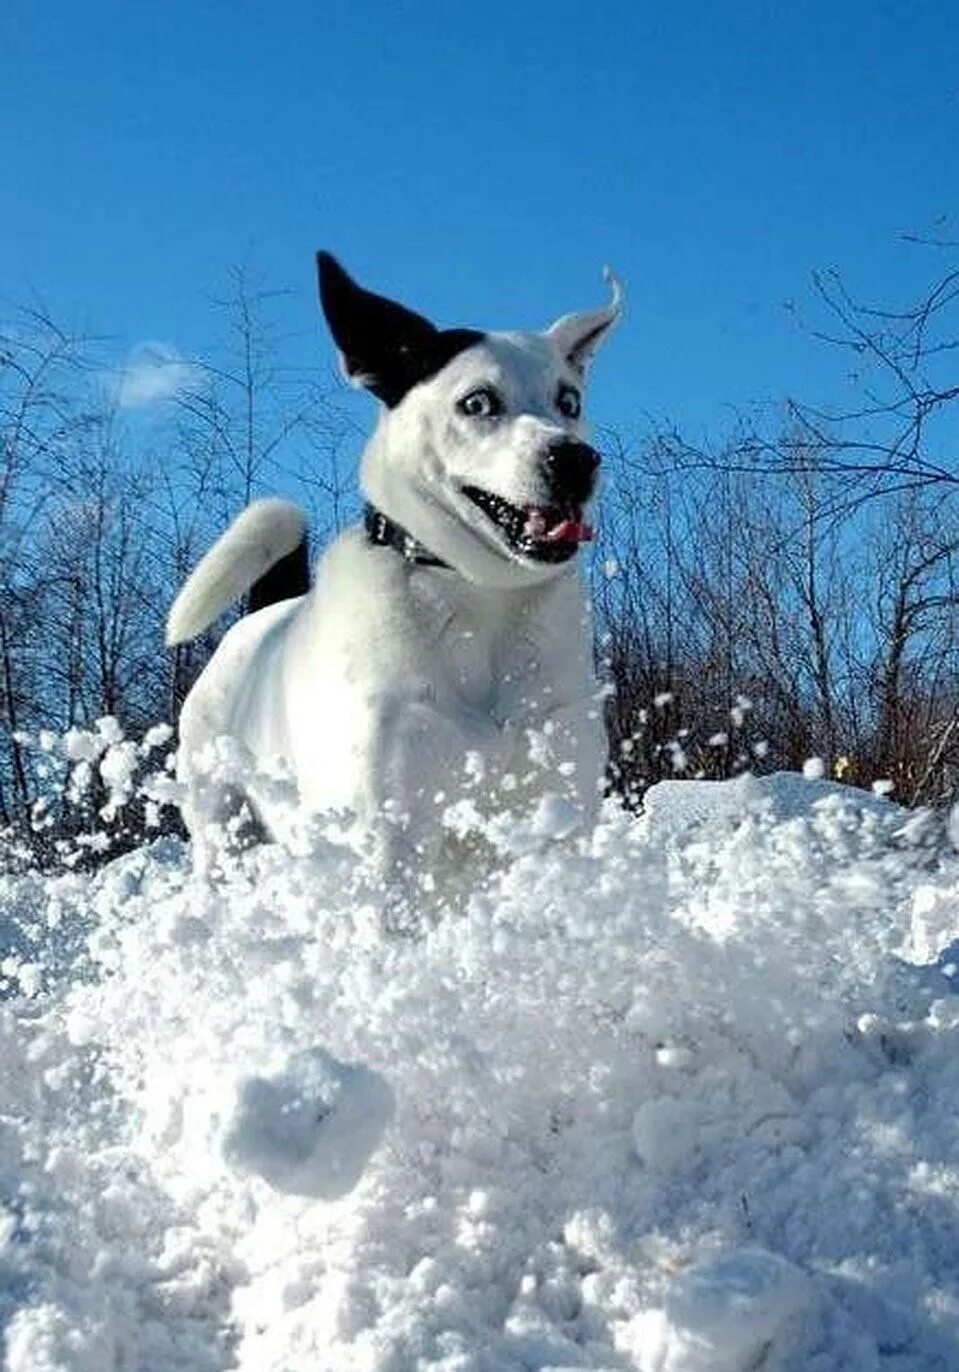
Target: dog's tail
<point x="263" y="552"/>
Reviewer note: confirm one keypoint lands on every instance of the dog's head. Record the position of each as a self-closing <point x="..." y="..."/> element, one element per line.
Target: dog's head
<point x="480" y="451"/>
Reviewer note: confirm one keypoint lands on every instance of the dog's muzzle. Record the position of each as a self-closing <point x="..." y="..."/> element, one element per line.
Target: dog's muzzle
<point x="552" y="530"/>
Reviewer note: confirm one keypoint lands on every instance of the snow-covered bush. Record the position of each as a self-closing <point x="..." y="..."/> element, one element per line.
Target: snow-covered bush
<point x="98" y="794"/>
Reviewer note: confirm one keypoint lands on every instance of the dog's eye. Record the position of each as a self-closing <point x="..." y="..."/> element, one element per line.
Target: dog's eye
<point x="568" y="402"/>
<point x="481" y="404"/>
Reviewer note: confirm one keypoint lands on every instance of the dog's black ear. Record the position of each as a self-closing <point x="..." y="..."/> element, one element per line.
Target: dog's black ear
<point x="385" y="347"/>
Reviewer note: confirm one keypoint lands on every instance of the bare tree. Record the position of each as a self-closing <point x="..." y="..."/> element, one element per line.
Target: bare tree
<point x="759" y="623"/>
<point x="41" y="370"/>
<point x="103" y="515"/>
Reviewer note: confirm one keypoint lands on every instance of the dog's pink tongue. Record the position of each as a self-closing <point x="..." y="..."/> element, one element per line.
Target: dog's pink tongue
<point x="565" y="529"/>
<point x="570" y="531"/>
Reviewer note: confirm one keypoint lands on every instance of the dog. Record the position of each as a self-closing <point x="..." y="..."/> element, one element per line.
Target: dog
<point x="443" y="651"/>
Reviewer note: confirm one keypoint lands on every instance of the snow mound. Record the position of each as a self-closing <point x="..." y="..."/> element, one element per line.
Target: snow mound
<point x="730" y="1311"/>
<point x="311" y="1128"/>
<point x="681" y="1093"/>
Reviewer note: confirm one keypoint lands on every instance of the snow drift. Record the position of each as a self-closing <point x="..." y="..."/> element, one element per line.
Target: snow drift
<point x="677" y="1095"/>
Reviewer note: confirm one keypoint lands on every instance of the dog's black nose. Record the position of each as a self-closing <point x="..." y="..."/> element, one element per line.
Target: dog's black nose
<point x="570" y="469"/>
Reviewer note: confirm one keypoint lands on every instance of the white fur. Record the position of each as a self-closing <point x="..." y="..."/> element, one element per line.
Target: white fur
<point x="266" y="531"/>
<point x="392" y="689"/>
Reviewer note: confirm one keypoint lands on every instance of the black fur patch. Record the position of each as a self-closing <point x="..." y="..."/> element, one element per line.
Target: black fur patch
<point x="385" y="346"/>
<point x="287" y="578"/>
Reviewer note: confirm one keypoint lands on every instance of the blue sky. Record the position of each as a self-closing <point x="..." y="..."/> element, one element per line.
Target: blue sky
<point x="482" y="163"/>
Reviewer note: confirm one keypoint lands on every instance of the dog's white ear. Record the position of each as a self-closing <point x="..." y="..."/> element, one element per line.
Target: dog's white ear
<point x="384" y="346"/>
<point x="577" y="336"/>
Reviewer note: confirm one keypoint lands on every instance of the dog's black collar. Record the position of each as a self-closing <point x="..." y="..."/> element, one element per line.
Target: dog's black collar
<point x="386" y="533"/>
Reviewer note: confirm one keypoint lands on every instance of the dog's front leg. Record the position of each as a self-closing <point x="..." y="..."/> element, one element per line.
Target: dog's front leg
<point x="570" y="752"/>
<point x="420" y="763"/>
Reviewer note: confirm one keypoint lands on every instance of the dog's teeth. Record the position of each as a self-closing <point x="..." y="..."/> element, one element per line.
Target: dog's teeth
<point x="535" y="525"/>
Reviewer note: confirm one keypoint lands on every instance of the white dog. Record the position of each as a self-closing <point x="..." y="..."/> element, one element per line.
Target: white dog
<point x="444" y="648"/>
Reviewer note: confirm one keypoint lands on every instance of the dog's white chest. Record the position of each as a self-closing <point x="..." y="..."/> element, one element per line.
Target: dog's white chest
<point x="392" y="688"/>
<point x="482" y="660"/>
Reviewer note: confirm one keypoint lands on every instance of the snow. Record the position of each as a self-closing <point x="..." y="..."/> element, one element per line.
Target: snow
<point x="678" y="1094"/>
<point x="311" y="1128"/>
<point x="726" y="1313"/>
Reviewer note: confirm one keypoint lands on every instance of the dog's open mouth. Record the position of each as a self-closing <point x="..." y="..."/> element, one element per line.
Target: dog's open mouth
<point x="544" y="533"/>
